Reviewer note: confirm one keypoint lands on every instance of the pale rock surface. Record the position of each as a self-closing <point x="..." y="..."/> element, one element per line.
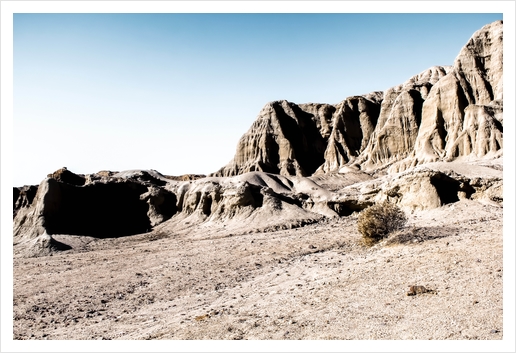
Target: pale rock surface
<point x="354" y="121"/>
<point x="463" y="112"/>
<point x="252" y="201"/>
<point x="400" y="117"/>
<point x="427" y="187"/>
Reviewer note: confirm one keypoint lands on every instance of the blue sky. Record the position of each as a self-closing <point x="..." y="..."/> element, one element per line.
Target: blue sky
<point x="175" y="92"/>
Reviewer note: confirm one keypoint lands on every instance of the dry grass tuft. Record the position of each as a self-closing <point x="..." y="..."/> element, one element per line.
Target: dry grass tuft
<point x="377" y="221"/>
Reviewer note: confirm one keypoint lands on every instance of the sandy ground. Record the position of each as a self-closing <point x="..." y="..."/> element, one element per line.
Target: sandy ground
<point x="313" y="282"/>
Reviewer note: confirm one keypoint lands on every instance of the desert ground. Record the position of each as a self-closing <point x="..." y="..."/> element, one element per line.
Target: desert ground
<point x="309" y="282"/>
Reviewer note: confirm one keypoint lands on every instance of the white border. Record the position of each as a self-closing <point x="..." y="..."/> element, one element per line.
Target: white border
<point x="10" y="7"/>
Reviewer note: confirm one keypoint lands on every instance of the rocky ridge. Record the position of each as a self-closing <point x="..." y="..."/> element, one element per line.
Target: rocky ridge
<point x="441" y="114"/>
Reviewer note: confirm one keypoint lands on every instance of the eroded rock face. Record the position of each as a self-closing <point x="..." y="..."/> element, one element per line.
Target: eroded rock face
<point x="400" y="118"/>
<point x="23" y="197"/>
<point x="256" y="200"/>
<point x="286" y="139"/>
<point x="353" y="123"/>
<point x="463" y="112"/>
<point x="420" y="188"/>
<point x="100" y="208"/>
<point x="443" y="113"/>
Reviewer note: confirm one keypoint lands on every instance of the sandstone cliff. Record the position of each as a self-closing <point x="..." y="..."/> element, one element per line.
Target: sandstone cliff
<point x="443" y="113"/>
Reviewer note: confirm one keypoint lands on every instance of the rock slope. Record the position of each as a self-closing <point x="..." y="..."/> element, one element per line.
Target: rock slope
<point x="441" y="114"/>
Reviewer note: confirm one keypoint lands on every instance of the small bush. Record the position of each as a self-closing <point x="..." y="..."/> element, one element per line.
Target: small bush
<point x="377" y="221"/>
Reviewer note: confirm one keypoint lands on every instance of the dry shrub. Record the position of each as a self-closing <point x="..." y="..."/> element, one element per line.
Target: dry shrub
<point x="377" y="221"/>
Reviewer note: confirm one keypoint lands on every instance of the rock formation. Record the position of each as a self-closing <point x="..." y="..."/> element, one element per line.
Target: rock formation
<point x="23" y="197"/>
<point x="105" y="206"/>
<point x="286" y="139"/>
<point x="300" y="163"/>
<point x="400" y="118"/>
<point x="443" y="113"/>
<point x="463" y="113"/>
<point x="354" y="122"/>
<point x="128" y="203"/>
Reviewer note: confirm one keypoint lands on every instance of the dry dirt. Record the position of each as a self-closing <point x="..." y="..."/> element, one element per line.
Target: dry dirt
<point x="315" y="282"/>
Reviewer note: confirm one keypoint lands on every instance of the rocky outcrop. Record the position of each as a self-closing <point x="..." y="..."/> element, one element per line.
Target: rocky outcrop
<point x="123" y="204"/>
<point x="443" y="113"/>
<point x="23" y="197"/>
<point x="422" y="188"/>
<point x="128" y="203"/>
<point x="400" y="118"/>
<point x="286" y="139"/>
<point x="254" y="200"/>
<point x="134" y="202"/>
<point x="65" y="176"/>
<point x="162" y="204"/>
<point x="354" y="122"/>
<point x="463" y="112"/>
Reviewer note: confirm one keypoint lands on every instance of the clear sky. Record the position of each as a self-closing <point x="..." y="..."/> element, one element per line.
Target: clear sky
<point x="175" y="92"/>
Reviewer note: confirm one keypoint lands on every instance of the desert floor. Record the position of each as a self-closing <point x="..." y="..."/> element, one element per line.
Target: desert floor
<point x="312" y="282"/>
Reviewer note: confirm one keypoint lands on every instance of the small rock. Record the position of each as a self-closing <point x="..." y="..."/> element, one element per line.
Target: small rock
<point x="494" y="331"/>
<point x="414" y="290"/>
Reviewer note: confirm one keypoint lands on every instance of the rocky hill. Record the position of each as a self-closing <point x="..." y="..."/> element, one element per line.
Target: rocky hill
<point x="441" y="114"/>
